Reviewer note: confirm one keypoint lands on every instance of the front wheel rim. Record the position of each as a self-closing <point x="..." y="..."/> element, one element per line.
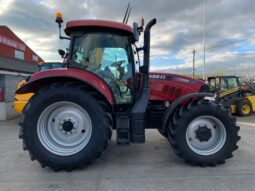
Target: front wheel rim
<point x="246" y="109"/>
<point x="64" y="128"/>
<point x="209" y="145"/>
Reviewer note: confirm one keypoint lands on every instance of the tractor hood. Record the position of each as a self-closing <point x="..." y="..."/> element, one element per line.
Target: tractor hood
<point x="168" y="87"/>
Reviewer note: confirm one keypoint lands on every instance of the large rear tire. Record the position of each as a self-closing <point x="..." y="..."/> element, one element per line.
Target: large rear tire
<point x="65" y="126"/>
<point x="204" y="133"/>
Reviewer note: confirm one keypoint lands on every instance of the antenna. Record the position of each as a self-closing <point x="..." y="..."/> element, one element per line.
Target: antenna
<point x="126" y="13"/>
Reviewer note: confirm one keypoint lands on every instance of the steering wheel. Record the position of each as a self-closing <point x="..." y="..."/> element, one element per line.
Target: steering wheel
<point x="118" y="63"/>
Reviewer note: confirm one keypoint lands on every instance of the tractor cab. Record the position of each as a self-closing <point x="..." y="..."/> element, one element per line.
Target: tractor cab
<point x="105" y="49"/>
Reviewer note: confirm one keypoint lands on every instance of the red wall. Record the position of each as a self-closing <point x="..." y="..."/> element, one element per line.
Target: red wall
<point x="9" y="52"/>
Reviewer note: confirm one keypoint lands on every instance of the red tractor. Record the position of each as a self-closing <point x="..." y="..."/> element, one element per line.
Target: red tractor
<point x="68" y="122"/>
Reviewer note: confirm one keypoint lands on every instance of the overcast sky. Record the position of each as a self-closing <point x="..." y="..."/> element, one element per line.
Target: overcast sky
<point x="179" y="29"/>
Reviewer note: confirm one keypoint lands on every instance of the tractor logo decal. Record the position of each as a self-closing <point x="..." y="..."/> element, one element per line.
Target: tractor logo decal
<point x="157" y="76"/>
<point x="166" y="77"/>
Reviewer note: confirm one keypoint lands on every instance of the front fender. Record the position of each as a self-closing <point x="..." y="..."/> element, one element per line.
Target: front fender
<point x="169" y="111"/>
<point x="41" y="79"/>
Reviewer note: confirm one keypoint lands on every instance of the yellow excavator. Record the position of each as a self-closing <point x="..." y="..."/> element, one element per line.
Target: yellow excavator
<point x="239" y="98"/>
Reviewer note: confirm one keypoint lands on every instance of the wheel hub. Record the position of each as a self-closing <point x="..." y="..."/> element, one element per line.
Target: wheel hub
<point x="246" y="109"/>
<point x="203" y="133"/>
<point x="68" y="126"/>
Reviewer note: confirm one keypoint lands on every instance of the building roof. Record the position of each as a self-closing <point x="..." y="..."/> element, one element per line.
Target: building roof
<point x="9" y="42"/>
<point x="77" y="24"/>
<point x="13" y="34"/>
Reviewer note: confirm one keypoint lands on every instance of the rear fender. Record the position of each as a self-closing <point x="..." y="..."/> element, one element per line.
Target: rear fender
<point x="170" y="110"/>
<point x="42" y="79"/>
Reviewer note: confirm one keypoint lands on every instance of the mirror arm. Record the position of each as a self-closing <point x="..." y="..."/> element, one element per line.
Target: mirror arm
<point x="139" y="49"/>
<point x="60" y="35"/>
<point x="140" y="29"/>
<point x="63" y="37"/>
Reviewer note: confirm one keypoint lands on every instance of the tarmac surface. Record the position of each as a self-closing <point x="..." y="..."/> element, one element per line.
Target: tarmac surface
<point x="145" y="167"/>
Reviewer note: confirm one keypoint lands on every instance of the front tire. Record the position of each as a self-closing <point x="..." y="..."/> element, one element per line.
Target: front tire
<point x="244" y="108"/>
<point x="204" y="134"/>
<point x="65" y="126"/>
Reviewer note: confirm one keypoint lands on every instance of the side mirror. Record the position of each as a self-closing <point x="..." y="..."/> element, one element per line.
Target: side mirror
<point x="136" y="31"/>
<point x="61" y="53"/>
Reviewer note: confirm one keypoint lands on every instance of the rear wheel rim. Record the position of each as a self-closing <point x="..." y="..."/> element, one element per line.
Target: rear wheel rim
<point x="64" y="128"/>
<point x="215" y="141"/>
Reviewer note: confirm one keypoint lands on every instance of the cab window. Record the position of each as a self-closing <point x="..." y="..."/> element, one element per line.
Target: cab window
<point x="223" y="84"/>
<point x="212" y="85"/>
<point x="108" y="56"/>
<point x="229" y="83"/>
<point x="232" y="83"/>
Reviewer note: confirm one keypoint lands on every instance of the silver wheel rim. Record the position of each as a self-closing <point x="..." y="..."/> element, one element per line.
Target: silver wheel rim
<point x="64" y="128"/>
<point x="216" y="140"/>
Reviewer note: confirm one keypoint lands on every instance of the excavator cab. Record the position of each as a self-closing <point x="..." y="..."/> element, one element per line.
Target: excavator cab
<point x="219" y="84"/>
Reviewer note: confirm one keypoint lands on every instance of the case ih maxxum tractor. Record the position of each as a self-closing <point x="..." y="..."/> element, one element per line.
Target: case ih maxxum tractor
<point x="68" y="122"/>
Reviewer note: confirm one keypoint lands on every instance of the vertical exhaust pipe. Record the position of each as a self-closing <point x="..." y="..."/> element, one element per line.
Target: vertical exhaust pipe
<point x="146" y="47"/>
<point x="142" y="102"/>
<point x="138" y="112"/>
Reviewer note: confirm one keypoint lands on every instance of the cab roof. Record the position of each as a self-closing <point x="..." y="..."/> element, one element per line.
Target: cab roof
<point x="80" y="25"/>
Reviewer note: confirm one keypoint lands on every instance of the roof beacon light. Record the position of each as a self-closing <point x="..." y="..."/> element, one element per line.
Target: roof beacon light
<point x="59" y="18"/>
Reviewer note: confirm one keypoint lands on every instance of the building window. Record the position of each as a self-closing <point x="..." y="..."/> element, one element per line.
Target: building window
<point x="35" y="58"/>
<point x="19" y="54"/>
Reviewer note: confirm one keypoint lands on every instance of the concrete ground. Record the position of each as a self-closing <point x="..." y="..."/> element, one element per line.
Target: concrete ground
<point x="149" y="167"/>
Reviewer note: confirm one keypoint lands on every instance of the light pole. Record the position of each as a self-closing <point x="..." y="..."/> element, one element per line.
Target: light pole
<point x="204" y="37"/>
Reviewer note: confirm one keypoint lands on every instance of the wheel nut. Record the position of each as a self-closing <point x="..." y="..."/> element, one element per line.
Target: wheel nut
<point x="83" y="131"/>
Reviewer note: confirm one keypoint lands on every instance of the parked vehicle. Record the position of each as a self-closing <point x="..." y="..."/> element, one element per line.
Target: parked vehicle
<point x="229" y="92"/>
<point x="68" y="123"/>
